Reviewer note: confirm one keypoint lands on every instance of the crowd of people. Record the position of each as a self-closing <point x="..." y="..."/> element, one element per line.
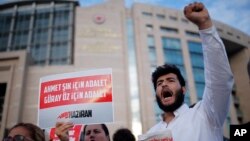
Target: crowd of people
<point x="203" y="122"/>
<point x="93" y="132"/>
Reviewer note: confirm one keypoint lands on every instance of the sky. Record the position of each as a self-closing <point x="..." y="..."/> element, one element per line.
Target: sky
<point x="235" y="13"/>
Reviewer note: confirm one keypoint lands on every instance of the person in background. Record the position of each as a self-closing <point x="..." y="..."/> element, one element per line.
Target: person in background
<point x="25" y="132"/>
<point x="203" y="122"/>
<point x="93" y="132"/>
<point x="123" y="134"/>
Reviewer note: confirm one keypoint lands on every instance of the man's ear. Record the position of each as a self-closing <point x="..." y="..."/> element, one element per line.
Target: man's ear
<point x="183" y="89"/>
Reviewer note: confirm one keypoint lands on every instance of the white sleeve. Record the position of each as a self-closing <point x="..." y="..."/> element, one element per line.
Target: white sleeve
<point x="218" y="78"/>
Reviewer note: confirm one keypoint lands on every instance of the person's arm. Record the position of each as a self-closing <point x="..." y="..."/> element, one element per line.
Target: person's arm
<point x="62" y="130"/>
<point x="218" y="75"/>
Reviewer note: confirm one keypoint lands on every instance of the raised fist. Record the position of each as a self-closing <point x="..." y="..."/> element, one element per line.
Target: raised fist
<point x="197" y="13"/>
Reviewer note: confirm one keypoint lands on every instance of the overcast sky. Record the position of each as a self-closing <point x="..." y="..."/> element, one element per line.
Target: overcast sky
<point x="235" y="13"/>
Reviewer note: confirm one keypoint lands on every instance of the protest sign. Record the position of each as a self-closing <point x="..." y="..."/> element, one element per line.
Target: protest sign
<point x="80" y="97"/>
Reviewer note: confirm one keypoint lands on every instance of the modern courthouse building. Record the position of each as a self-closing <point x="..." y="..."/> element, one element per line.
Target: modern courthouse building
<point x="44" y="37"/>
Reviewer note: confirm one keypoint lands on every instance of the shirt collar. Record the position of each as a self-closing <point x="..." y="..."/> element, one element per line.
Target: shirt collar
<point x="181" y="110"/>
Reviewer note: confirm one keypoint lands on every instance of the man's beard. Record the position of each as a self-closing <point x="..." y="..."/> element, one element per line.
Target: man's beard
<point x="179" y="99"/>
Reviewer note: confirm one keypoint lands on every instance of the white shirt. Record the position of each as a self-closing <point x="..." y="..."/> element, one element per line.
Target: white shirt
<point x="204" y="122"/>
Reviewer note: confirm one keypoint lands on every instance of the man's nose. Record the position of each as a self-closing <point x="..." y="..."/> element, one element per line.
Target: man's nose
<point x="164" y="84"/>
<point x="92" y="134"/>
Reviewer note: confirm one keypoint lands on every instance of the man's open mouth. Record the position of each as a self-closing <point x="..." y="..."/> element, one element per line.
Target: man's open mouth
<point x="166" y="93"/>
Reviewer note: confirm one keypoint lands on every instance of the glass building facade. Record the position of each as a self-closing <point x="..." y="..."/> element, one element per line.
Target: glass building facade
<point x="43" y="28"/>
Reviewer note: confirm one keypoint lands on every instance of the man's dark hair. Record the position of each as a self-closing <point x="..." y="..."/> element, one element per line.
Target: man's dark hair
<point x="166" y="69"/>
<point x="123" y="134"/>
<point x="104" y="127"/>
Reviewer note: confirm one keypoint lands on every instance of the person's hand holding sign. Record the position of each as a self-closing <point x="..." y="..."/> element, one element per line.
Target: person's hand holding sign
<point x="62" y="130"/>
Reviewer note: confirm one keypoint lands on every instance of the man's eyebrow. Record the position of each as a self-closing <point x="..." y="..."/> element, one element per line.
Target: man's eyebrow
<point x="171" y="77"/>
<point x="159" y="80"/>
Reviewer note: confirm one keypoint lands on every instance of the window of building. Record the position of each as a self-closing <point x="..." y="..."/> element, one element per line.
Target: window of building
<point x="230" y="33"/>
<point x="160" y="16"/>
<point x="151" y="41"/>
<point x="219" y="29"/>
<point x="40" y="36"/>
<point x="149" y="27"/>
<point x="168" y="29"/>
<point x="199" y="74"/>
<point x="199" y="89"/>
<point x="5" y="20"/>
<point x="237" y="105"/>
<point x="3" y="41"/>
<point x="239" y="115"/>
<point x="197" y="60"/>
<point x="23" y="20"/>
<point x="192" y="34"/>
<point x="171" y="43"/>
<point x="152" y="56"/>
<point x="152" y="50"/>
<point x="173" y="18"/>
<point x="184" y="20"/>
<point x="187" y="98"/>
<point x="20" y="40"/>
<point x="42" y="18"/>
<point x="172" y="57"/>
<point x="194" y="47"/>
<point x="21" y="30"/>
<point x="61" y="16"/>
<point x="39" y="54"/>
<point x="58" y="51"/>
<point x="147" y="14"/>
<point x="60" y="34"/>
